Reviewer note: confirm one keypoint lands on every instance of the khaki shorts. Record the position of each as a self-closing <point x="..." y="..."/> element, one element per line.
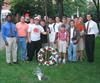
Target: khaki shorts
<point x="63" y="46"/>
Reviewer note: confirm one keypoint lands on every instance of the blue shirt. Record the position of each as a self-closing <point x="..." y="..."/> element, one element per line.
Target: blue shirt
<point x="6" y="32"/>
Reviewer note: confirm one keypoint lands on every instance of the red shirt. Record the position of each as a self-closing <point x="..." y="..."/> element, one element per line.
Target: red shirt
<point x="62" y="36"/>
<point x="80" y="26"/>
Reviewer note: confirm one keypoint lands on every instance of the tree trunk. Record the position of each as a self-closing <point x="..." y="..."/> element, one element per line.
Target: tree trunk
<point x="60" y="8"/>
<point x="0" y="11"/>
<point x="98" y="11"/>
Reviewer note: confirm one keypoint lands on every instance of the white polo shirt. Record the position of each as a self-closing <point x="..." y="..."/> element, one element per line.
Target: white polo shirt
<point x="54" y="28"/>
<point x="35" y="31"/>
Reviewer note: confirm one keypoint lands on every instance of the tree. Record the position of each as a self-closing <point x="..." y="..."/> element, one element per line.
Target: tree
<point x="1" y="3"/>
<point x="32" y="6"/>
<point x="60" y="8"/>
<point x="70" y="7"/>
<point x="97" y="5"/>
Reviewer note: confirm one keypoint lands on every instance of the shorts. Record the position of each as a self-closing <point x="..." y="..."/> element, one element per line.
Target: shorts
<point x="63" y="46"/>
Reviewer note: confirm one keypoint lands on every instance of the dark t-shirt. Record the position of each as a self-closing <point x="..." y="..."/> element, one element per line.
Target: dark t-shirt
<point x="44" y="38"/>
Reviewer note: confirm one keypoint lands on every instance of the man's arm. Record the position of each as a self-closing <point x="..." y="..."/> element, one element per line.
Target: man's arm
<point x="28" y="36"/>
<point x="44" y="33"/>
<point x="3" y="29"/>
<point x="56" y="37"/>
<point x="96" y="30"/>
<point x="67" y="36"/>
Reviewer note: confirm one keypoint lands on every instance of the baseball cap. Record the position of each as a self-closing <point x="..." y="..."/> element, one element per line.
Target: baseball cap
<point x="36" y="18"/>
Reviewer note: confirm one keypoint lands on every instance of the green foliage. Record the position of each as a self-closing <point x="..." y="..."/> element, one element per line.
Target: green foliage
<point x="32" y="6"/>
<point x="1" y="3"/>
<point x="38" y="7"/>
<point x="70" y="7"/>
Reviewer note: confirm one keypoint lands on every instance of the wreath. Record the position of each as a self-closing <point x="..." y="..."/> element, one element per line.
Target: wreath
<point x="48" y="56"/>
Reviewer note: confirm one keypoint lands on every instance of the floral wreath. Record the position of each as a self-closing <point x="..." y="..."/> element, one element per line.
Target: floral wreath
<point x="48" y="56"/>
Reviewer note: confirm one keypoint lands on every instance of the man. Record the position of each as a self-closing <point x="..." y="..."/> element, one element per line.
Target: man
<point x="74" y="37"/>
<point x="34" y="38"/>
<point x="22" y="28"/>
<point x="44" y="38"/>
<point x="92" y="31"/>
<point x="52" y="33"/>
<point x="64" y="21"/>
<point x="31" y="24"/>
<point x="9" y="34"/>
<point x="57" y="26"/>
<point x="63" y="39"/>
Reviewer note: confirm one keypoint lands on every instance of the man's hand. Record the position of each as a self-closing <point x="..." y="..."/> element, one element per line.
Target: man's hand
<point x="29" y="41"/>
<point x="55" y="41"/>
<point x="6" y="43"/>
<point x="17" y="41"/>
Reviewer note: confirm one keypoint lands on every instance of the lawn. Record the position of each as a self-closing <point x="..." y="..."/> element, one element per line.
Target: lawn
<point x="65" y="73"/>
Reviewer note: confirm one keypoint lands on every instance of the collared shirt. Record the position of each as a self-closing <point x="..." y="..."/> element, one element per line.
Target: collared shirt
<point x="52" y="33"/>
<point x="57" y="26"/>
<point x="6" y="32"/>
<point x="67" y="26"/>
<point x="62" y="35"/>
<point x="92" y="28"/>
<point x="22" y="29"/>
<point x="71" y="33"/>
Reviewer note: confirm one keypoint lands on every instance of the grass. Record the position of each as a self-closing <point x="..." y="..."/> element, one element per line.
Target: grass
<point x="68" y="73"/>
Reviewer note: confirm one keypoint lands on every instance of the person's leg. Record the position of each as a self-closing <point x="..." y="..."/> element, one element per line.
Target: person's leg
<point x="19" y="49"/>
<point x="38" y="46"/>
<point x="32" y="51"/>
<point x="28" y="50"/>
<point x="81" y="48"/>
<point x="24" y="57"/>
<point x="78" y="51"/>
<point x="67" y="51"/>
<point x="64" y="46"/>
<point x="70" y="52"/>
<point x="60" y="51"/>
<point x="91" y="48"/>
<point x="14" y="50"/>
<point x="81" y="55"/>
<point x="87" y="46"/>
<point x="8" y="50"/>
<point x="74" y="52"/>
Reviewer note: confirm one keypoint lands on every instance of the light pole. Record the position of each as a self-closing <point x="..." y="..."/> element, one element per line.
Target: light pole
<point x="77" y="11"/>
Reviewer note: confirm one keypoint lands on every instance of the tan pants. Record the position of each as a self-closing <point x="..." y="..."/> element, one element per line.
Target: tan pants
<point x="11" y="49"/>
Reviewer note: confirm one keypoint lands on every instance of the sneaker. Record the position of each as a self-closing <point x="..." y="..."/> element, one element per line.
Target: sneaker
<point x="9" y="63"/>
<point x="64" y="61"/>
<point x="15" y="62"/>
<point x="59" y="60"/>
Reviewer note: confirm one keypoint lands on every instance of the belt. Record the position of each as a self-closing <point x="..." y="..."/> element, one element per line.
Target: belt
<point x="11" y="36"/>
<point x="90" y="35"/>
<point x="22" y="37"/>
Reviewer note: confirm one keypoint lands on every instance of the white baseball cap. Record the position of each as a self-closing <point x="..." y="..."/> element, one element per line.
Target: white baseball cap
<point x="37" y="18"/>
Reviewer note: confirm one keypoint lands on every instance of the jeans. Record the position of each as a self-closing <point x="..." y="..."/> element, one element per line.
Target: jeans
<point x="22" y="48"/>
<point x="72" y="52"/>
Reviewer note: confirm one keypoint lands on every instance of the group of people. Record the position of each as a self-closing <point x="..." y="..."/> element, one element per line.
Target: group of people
<point x="69" y="37"/>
